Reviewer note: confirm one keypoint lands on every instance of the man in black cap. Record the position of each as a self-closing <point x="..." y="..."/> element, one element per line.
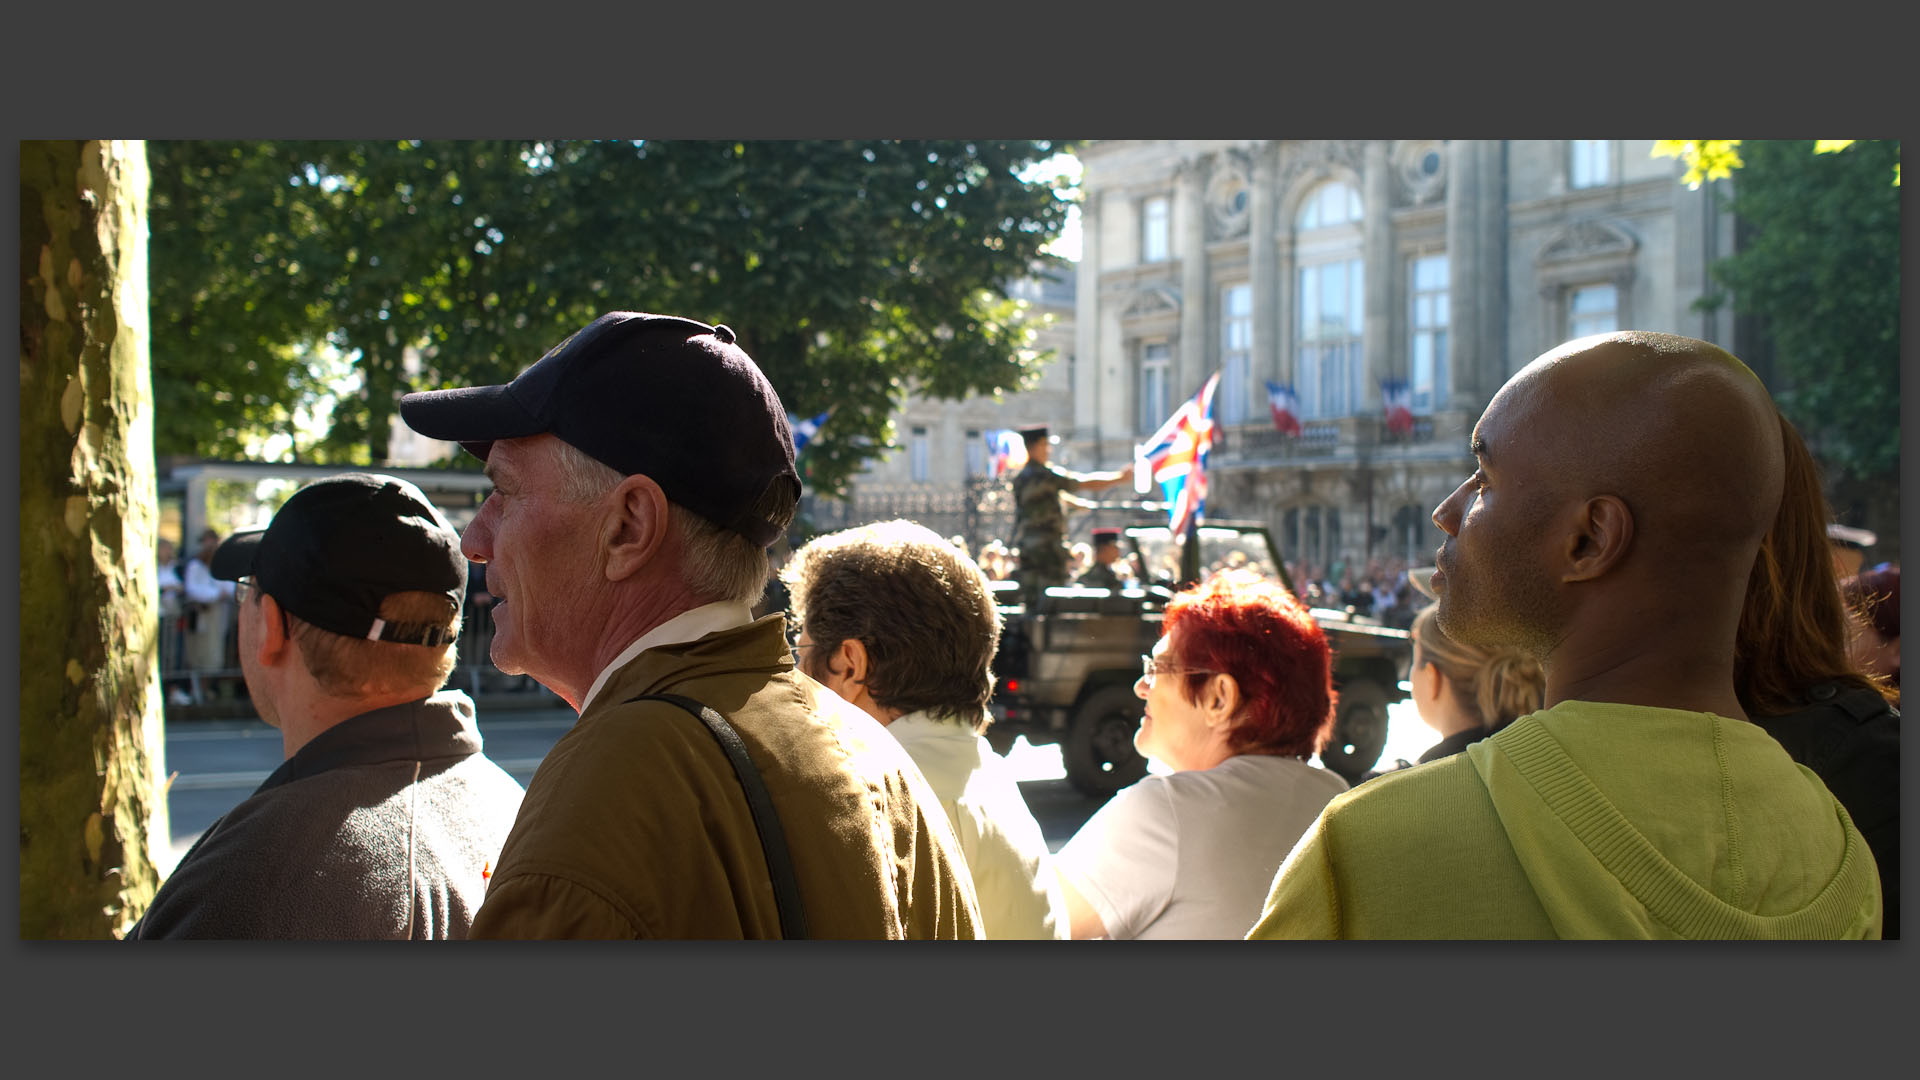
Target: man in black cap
<point x="1106" y="552"/>
<point x="641" y="469"/>
<point x="1040" y="494"/>
<point x="385" y="817"/>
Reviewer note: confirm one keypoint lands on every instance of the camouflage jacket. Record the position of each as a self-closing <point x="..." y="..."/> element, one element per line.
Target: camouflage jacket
<point x="1040" y="516"/>
<point x="1099" y="576"/>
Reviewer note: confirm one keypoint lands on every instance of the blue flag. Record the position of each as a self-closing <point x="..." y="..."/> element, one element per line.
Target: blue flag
<point x="805" y="430"/>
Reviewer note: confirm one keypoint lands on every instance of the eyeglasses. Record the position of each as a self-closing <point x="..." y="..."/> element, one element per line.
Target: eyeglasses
<point x="247" y="589"/>
<point x="794" y="645"/>
<point x="1151" y="666"/>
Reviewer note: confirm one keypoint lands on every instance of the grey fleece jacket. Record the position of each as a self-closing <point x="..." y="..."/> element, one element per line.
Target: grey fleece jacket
<point x="382" y="827"/>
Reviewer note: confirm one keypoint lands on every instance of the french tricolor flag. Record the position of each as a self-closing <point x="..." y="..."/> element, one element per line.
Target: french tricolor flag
<point x="1006" y="452"/>
<point x="1285" y="408"/>
<point x="1397" y="400"/>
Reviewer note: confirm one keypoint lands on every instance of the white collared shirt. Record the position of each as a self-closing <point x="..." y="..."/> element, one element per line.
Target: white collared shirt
<point x="1005" y="850"/>
<point x="689" y="625"/>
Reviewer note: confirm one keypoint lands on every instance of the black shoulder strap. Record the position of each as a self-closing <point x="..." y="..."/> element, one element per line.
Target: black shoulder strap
<point x="773" y="840"/>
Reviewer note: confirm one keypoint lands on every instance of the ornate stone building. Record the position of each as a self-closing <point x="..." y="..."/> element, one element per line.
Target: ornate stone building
<point x="1330" y="266"/>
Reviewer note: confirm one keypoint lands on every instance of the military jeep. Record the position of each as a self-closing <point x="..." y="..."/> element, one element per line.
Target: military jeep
<point x="1067" y="668"/>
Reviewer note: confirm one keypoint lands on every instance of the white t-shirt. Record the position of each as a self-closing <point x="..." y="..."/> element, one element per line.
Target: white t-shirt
<point x="1192" y="855"/>
<point x="1020" y="898"/>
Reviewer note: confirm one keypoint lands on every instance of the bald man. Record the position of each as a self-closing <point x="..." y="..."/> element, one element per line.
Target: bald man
<point x="1624" y="485"/>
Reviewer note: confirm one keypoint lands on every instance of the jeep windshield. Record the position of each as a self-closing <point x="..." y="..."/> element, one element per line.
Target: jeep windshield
<point x="1221" y="548"/>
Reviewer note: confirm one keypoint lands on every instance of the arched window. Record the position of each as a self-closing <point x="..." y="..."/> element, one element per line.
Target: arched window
<point x="1330" y="301"/>
<point x="1332" y="203"/>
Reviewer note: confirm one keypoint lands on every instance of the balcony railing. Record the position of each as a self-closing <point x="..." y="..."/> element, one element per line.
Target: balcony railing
<point x="1319" y="438"/>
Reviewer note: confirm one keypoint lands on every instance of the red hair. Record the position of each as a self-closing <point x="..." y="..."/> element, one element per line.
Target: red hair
<point x="1239" y="624"/>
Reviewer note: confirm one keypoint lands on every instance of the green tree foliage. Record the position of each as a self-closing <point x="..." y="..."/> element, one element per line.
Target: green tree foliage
<point x="1822" y="269"/>
<point x="854" y="272"/>
<point x="1708" y="160"/>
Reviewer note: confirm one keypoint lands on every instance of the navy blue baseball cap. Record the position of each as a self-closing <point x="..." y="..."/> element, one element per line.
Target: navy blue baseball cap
<point x="674" y="399"/>
<point x="340" y="546"/>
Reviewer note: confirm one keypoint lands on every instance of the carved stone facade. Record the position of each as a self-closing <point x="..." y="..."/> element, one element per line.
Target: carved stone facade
<point x="1496" y="223"/>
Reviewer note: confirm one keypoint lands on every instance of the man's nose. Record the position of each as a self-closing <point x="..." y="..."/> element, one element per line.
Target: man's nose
<point x="476" y="543"/>
<point x="1447" y="514"/>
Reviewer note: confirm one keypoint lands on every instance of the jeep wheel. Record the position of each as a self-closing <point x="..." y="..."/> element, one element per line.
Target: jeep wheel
<point x="1099" y="753"/>
<point x="1359" y="731"/>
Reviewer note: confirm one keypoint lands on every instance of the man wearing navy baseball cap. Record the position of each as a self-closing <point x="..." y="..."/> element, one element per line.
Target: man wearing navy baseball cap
<point x="384" y="819"/>
<point x="641" y="468"/>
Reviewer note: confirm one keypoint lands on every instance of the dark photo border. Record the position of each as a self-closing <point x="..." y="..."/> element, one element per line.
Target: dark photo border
<point x="366" y="70"/>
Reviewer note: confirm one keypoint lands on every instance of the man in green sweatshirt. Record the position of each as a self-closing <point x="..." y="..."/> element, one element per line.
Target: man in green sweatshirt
<point x="1624" y="485"/>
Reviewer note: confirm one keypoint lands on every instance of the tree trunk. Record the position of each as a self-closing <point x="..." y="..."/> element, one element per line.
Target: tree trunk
<point x="92" y="806"/>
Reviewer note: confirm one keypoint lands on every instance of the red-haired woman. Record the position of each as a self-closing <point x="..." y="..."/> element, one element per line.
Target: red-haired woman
<point x="1239" y="694"/>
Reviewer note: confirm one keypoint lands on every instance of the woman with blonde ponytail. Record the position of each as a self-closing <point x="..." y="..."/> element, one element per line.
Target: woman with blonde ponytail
<point x="1467" y="693"/>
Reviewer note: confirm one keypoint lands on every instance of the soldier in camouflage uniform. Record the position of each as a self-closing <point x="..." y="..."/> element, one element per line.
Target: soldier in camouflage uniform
<point x="1106" y="552"/>
<point x="1040" y="513"/>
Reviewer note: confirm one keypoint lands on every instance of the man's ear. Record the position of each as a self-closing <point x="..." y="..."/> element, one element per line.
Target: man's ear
<point x="635" y="527"/>
<point x="1600" y="539"/>
<point x="850" y="661"/>
<point x="276" y="646"/>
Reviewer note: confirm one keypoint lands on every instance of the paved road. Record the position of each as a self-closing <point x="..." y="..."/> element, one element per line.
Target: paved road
<point x="220" y="762"/>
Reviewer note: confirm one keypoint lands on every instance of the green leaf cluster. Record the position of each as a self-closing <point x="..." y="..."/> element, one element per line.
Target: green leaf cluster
<point x="1820" y="266"/>
<point x="854" y="272"/>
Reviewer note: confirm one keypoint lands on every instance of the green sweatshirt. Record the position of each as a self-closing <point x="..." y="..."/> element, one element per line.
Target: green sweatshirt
<point x="1586" y="820"/>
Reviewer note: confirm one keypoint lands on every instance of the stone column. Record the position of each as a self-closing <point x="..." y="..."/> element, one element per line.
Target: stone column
<point x="1191" y="365"/>
<point x="1283" y="272"/>
<point x="1262" y="268"/>
<point x="1491" y="266"/>
<point x="1377" y="336"/>
<point x="1466" y="290"/>
<point x="1086" y="327"/>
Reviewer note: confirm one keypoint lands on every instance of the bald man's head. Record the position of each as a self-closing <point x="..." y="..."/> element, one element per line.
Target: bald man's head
<point x="1679" y="428"/>
<point x="1648" y="465"/>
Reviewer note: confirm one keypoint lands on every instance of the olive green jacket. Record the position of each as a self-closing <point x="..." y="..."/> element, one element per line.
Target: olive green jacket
<point x="635" y="826"/>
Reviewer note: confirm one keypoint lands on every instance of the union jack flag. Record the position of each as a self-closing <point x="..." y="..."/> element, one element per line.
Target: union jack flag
<point x="1285" y="408"/>
<point x="1176" y="458"/>
<point x="1006" y="452"/>
<point x="1396" y="397"/>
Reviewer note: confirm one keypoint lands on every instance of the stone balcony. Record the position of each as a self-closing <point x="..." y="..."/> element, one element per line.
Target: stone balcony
<point x="1347" y="438"/>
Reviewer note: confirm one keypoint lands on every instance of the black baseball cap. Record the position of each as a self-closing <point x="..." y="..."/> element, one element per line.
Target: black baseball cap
<point x="675" y="399"/>
<point x="1106" y="536"/>
<point x="342" y="545"/>
<point x="1031" y="435"/>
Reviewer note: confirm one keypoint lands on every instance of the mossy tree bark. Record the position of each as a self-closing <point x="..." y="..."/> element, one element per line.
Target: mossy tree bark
<point x="92" y="805"/>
